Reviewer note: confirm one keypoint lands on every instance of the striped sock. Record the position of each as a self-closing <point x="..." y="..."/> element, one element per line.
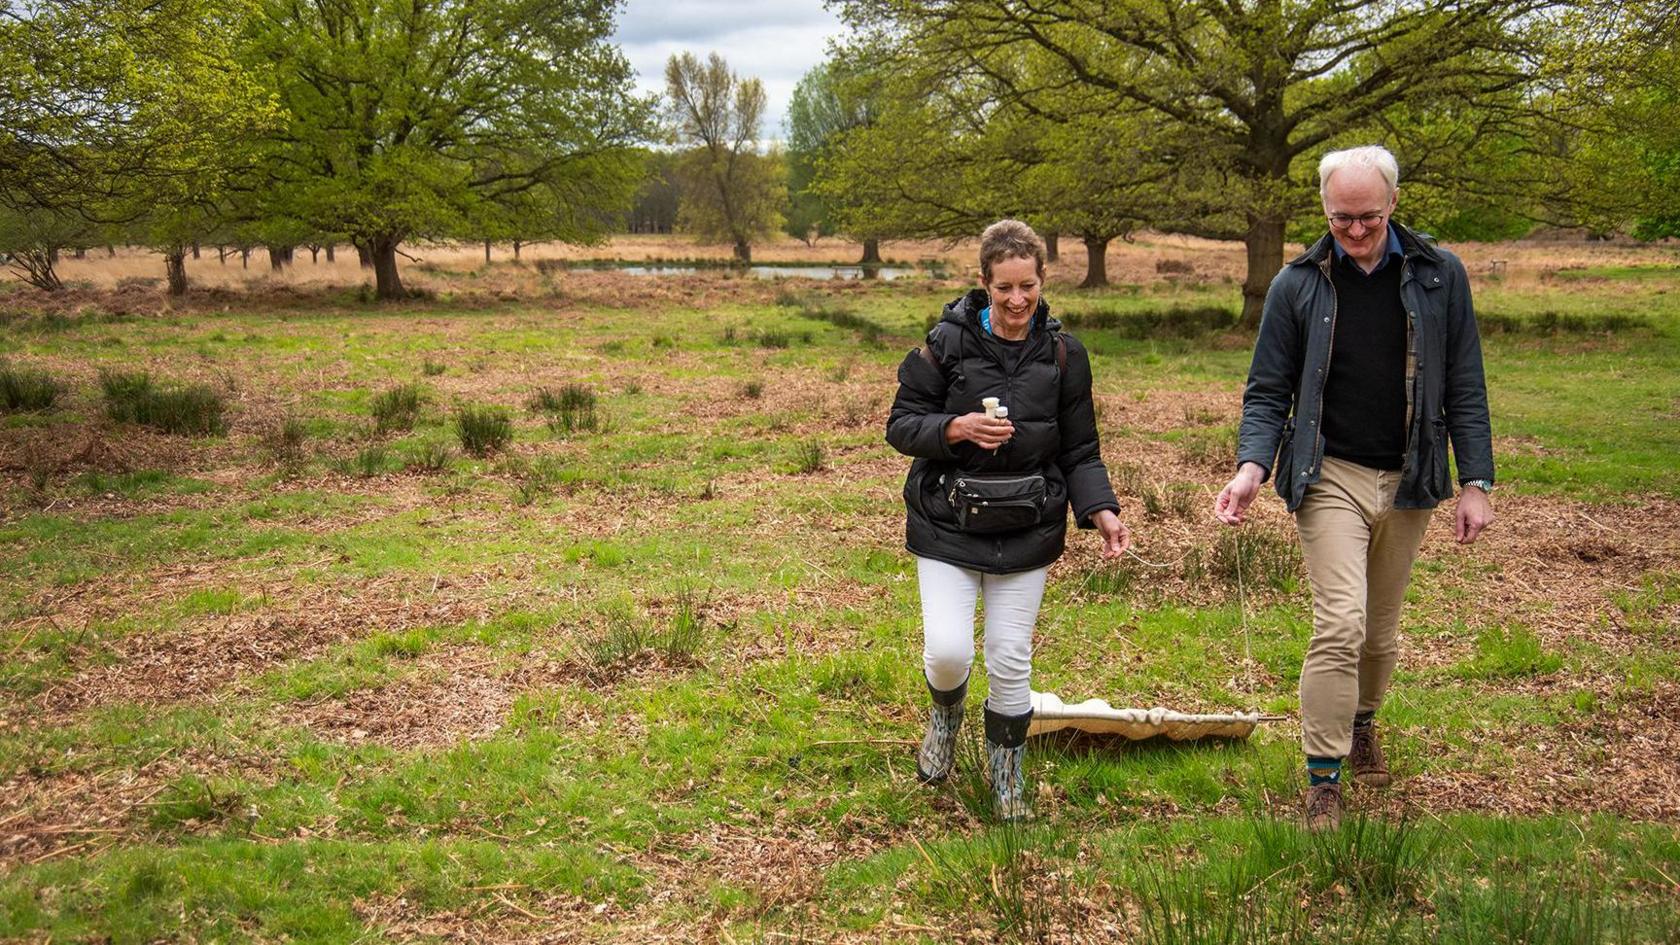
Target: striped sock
<point x="1324" y="771"/>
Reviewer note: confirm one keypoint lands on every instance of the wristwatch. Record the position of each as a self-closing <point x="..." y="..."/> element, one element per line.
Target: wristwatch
<point x="1486" y="485"/>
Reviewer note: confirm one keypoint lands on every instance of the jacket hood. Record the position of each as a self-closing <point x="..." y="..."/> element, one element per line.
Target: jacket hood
<point x="1412" y="243"/>
<point x="965" y="311"/>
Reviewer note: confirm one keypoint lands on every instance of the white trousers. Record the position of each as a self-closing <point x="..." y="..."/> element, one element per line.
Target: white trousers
<point x="949" y="594"/>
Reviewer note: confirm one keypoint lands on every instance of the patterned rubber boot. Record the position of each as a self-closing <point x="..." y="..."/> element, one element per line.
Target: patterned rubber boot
<point x="939" y="745"/>
<point x="1006" y="764"/>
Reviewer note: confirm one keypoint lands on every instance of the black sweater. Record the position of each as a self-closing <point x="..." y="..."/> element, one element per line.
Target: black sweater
<point x="1365" y="394"/>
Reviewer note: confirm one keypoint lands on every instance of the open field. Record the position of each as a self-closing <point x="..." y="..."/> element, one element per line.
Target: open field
<point x="1138" y="262"/>
<point x="650" y="670"/>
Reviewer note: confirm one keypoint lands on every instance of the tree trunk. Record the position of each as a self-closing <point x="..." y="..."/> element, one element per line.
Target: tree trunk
<point x="80" y="253"/>
<point x="276" y="258"/>
<point x="175" y="260"/>
<point x="487" y="252"/>
<point x="314" y="255"/>
<point x="1052" y="252"/>
<point x="1265" y="257"/>
<point x="221" y="255"/>
<point x="516" y="245"/>
<point x="52" y="255"/>
<point x="743" y="251"/>
<point x="387" y="282"/>
<point x="363" y="256"/>
<point x="1096" y="262"/>
<point x="871" y="253"/>
<point x="244" y="257"/>
<point x="329" y="252"/>
<point x="37" y="268"/>
<point x="110" y="251"/>
<point x="195" y="250"/>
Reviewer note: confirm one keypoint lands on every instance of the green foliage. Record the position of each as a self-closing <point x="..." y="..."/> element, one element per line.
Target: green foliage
<point x="23" y="388"/>
<point x="1214" y="447"/>
<point x="1503" y="653"/>
<point x="808" y="457"/>
<point x="284" y="441"/>
<point x="993" y="873"/>
<point x="191" y="410"/>
<point x="1253" y="558"/>
<point x="430" y="456"/>
<point x="165" y="113"/>
<point x="1175" y="500"/>
<point x="1175" y="322"/>
<point x="825" y="103"/>
<point x="536" y="146"/>
<point x="1552" y="322"/>
<point x="571" y="409"/>
<point x="1103" y="127"/>
<point x="483" y="430"/>
<point x="730" y="193"/>
<point x="396" y="408"/>
<point x="371" y="460"/>
<point x="629" y="637"/>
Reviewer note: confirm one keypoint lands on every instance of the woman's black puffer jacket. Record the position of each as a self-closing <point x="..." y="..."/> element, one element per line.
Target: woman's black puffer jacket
<point x="1055" y="434"/>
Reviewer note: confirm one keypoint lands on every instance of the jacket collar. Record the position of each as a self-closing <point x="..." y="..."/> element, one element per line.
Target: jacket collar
<point x="965" y="311"/>
<point x="1413" y="244"/>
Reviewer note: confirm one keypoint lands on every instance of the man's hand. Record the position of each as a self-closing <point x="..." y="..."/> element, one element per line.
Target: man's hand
<point x="985" y="432"/>
<point x="1232" y="505"/>
<point x="1115" y="535"/>
<point x="1475" y="512"/>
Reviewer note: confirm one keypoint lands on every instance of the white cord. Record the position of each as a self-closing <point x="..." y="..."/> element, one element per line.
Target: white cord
<point x="1152" y="564"/>
<point x="1242" y="617"/>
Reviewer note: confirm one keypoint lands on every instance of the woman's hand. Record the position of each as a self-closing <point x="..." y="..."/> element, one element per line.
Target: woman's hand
<point x="1116" y="537"/>
<point x="985" y="432"/>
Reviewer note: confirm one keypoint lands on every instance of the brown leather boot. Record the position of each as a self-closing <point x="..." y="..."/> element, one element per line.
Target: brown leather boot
<point x="1366" y="758"/>
<point x="1321" y="809"/>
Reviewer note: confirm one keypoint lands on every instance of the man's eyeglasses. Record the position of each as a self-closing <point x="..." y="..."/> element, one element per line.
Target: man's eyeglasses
<point x="1369" y="221"/>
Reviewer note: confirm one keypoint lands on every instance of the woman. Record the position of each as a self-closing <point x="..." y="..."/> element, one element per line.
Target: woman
<point x="988" y="496"/>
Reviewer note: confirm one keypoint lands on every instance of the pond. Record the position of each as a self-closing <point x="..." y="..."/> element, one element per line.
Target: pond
<point x="758" y="272"/>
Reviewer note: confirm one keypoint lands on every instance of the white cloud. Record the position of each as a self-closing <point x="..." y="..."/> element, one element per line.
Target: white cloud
<point x="775" y="42"/>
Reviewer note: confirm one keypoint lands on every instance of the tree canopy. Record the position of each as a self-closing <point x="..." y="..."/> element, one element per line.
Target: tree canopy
<point x="412" y="120"/>
<point x="1254" y="91"/>
<point x="731" y="192"/>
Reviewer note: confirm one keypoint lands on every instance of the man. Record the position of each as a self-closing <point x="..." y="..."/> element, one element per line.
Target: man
<point x="1367" y="362"/>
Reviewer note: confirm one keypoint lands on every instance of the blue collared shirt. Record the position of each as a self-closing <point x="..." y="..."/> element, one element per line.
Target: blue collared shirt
<point x="1394" y="252"/>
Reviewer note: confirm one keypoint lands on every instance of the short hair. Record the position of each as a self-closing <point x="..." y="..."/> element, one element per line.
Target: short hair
<point x="1009" y="239"/>
<point x="1373" y="156"/>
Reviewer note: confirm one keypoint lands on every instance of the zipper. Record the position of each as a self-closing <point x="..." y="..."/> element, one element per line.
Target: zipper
<point x="961" y="481"/>
<point x="1417" y="357"/>
<point x="1329" y="351"/>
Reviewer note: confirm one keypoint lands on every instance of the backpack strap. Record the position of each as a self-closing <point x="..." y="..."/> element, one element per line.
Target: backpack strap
<point x="1061" y="356"/>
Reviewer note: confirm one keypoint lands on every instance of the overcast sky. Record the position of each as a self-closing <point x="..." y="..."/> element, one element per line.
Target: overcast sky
<point x="776" y="41"/>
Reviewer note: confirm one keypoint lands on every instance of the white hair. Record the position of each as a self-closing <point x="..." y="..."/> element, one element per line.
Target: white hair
<point x="1373" y="156"/>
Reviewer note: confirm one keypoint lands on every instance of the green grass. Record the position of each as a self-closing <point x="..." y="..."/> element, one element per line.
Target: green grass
<point x="191" y="409"/>
<point x="483" y="430"/>
<point x="396" y="408"/>
<point x="693" y="643"/>
<point x="23" y="388"/>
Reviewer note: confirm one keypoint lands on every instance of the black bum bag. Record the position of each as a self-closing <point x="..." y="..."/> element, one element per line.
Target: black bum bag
<point x="988" y="504"/>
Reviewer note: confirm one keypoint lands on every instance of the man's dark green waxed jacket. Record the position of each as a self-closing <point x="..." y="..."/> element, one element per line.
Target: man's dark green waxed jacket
<point x="1055" y="434"/>
<point x="1283" y="403"/>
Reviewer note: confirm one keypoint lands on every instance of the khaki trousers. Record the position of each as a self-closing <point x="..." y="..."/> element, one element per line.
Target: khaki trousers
<point x="1359" y="551"/>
